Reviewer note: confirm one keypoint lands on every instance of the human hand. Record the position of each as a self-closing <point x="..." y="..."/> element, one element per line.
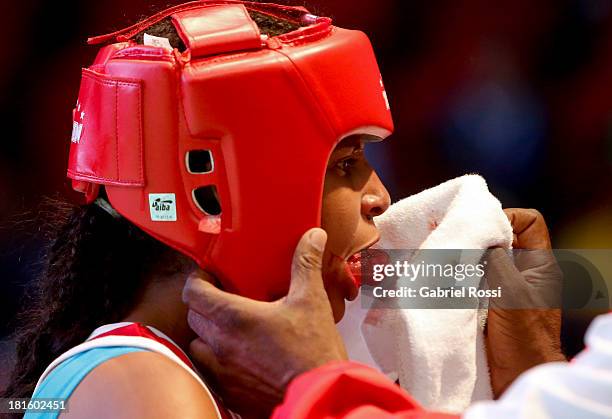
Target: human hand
<point x="250" y="349"/>
<point x="524" y="326"/>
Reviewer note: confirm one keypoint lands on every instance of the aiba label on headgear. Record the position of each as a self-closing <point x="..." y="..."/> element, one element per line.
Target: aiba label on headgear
<point x="162" y="206"/>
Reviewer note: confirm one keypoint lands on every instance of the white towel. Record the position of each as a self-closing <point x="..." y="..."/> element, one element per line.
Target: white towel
<point x="437" y="354"/>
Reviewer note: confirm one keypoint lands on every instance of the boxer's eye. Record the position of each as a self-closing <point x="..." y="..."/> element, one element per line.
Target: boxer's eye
<point x="346" y="165"/>
<point x="347" y="157"/>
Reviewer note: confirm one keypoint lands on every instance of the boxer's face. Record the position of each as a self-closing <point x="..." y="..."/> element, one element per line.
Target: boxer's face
<point x="353" y="194"/>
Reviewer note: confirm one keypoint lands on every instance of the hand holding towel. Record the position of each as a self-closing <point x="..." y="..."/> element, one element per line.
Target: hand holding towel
<point x="438" y="355"/>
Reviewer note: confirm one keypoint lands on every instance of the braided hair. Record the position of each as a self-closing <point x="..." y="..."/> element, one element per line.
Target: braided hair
<point x="95" y="268"/>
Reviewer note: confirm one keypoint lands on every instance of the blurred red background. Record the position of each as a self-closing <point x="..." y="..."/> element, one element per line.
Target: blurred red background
<point x="519" y="91"/>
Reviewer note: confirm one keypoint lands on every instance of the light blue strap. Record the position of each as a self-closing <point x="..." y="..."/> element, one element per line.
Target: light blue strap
<point x="63" y="379"/>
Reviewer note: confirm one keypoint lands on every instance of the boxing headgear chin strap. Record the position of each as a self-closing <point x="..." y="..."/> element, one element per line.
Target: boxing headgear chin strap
<point x="266" y="112"/>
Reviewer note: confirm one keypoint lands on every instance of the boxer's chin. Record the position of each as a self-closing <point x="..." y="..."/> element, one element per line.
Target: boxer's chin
<point x="335" y="295"/>
<point x="338" y="284"/>
<point x="338" y="306"/>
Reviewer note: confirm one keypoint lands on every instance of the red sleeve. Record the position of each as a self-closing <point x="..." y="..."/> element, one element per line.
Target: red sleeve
<point x="349" y="390"/>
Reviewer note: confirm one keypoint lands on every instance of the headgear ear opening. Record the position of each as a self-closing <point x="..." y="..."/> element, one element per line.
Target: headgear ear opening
<point x="187" y="151"/>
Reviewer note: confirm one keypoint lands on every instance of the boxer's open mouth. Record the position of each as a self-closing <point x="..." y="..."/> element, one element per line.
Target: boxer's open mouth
<point x="353" y="264"/>
<point x="365" y="259"/>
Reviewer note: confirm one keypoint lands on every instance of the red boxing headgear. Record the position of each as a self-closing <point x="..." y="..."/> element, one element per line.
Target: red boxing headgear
<point x="220" y="151"/>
